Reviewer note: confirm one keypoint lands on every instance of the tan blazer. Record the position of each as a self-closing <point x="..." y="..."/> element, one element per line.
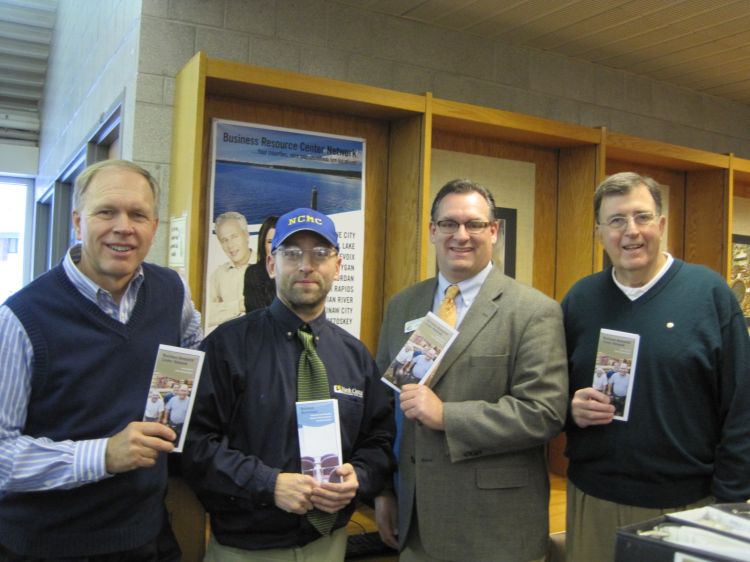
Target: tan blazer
<point x="481" y="486"/>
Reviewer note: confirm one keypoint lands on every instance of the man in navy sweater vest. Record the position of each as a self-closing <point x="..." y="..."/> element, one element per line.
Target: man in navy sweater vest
<point x="81" y="477"/>
<point x="686" y="440"/>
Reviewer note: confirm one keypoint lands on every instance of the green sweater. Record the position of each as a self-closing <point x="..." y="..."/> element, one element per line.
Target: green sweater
<point x="688" y="431"/>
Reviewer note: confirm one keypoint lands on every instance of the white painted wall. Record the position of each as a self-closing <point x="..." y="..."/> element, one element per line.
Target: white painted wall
<point x="93" y="62"/>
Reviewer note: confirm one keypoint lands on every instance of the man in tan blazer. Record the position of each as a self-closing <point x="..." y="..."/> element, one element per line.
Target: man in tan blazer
<point x="472" y="481"/>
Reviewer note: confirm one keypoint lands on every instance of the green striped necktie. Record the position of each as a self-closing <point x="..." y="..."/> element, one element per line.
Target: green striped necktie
<point x="312" y="384"/>
<point x="312" y="379"/>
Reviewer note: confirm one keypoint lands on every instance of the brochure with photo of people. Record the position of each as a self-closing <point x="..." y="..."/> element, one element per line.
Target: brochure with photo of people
<point x="421" y="354"/>
<point x="614" y="371"/>
<point x="172" y="393"/>
<point x="319" y="433"/>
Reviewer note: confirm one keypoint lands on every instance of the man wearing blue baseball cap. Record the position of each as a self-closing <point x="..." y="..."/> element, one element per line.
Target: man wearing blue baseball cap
<point x="242" y="455"/>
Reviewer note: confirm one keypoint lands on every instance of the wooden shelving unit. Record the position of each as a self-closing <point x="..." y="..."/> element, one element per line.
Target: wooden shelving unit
<point x="402" y="130"/>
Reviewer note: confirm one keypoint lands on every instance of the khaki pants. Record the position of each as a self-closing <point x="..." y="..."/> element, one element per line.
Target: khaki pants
<point x="591" y="524"/>
<point x="331" y="548"/>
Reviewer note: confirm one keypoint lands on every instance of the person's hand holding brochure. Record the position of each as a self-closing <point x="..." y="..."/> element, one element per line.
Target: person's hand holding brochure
<point x="421" y="354"/>
<point x="614" y="372"/>
<point x="319" y="431"/>
<point x="173" y="389"/>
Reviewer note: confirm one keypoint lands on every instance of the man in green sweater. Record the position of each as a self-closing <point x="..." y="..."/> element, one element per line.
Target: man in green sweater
<point x="686" y="441"/>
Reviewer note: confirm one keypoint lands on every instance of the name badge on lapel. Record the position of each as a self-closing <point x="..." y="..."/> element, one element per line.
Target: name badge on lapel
<point x="412" y="325"/>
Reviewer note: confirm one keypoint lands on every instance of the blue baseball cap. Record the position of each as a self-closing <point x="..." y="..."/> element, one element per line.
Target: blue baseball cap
<point x="304" y="219"/>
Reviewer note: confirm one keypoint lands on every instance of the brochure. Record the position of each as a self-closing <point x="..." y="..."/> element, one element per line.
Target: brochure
<point x="319" y="433"/>
<point x="732" y="518"/>
<point x="421" y="354"/>
<point x="614" y="371"/>
<point x="686" y="536"/>
<point x="681" y="537"/>
<point x="172" y="393"/>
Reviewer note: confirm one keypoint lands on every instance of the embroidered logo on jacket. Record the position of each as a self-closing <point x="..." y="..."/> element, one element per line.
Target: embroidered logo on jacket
<point x="338" y="389"/>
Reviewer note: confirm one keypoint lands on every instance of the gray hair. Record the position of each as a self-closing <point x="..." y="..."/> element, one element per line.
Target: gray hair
<point x="85" y="178"/>
<point x="622" y="184"/>
<point x="231" y="216"/>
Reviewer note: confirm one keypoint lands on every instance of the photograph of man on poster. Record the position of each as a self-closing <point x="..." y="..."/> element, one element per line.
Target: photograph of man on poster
<point x="227" y="282"/>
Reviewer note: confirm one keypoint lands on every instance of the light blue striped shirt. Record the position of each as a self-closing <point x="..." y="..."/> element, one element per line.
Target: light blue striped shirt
<point x="31" y="464"/>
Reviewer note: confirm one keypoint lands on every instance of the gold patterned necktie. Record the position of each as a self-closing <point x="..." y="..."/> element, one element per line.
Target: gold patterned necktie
<point x="312" y="384"/>
<point x="447" y="309"/>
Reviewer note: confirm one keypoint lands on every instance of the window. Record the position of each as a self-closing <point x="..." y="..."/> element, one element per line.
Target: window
<point x="15" y="227"/>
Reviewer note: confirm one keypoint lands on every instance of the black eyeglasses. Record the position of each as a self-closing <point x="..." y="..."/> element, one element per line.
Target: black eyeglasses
<point x="472" y="227"/>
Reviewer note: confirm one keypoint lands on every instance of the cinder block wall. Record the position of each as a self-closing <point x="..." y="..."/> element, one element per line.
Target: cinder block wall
<point x="336" y="40"/>
<point x="93" y="61"/>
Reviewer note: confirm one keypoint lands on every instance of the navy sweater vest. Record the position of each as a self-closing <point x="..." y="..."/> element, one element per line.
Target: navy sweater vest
<point x="91" y="376"/>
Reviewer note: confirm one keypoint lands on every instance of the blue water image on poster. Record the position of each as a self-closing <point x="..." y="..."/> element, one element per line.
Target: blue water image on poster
<point x="260" y="171"/>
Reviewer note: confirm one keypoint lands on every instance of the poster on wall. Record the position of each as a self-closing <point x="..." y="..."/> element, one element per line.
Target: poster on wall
<point x="740" y="274"/>
<point x="504" y="252"/>
<point x="177" y="258"/>
<point x="258" y="173"/>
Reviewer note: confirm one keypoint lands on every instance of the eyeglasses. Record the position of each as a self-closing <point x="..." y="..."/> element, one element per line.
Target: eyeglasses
<point x="620" y="222"/>
<point x="317" y="255"/>
<point x="451" y="227"/>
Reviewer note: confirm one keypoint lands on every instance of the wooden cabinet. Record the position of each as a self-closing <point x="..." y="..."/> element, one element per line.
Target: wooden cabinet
<point x="405" y="133"/>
